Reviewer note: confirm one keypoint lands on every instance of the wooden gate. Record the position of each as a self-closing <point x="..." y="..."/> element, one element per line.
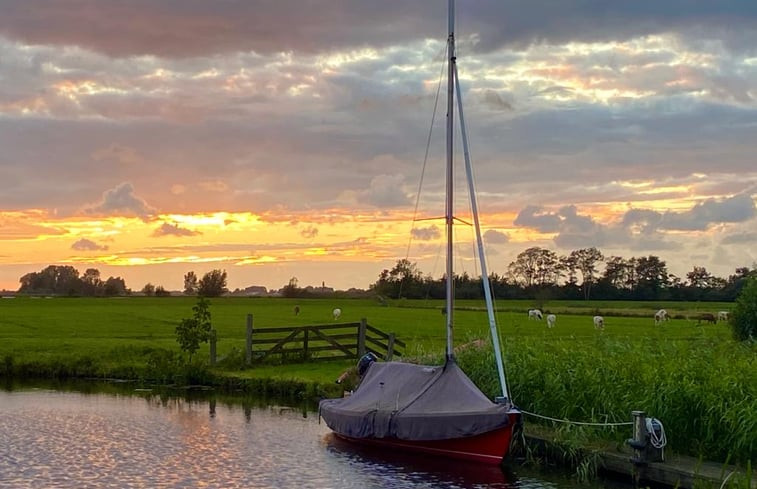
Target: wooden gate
<point x="320" y="342"/>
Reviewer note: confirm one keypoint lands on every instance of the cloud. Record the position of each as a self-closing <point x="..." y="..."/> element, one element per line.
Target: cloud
<point x="87" y="245"/>
<point x="384" y="191"/>
<point x="749" y="237"/>
<point x="167" y="229"/>
<point x="121" y="200"/>
<point x="309" y="232"/>
<point x="426" y="234"/>
<point x="492" y="236"/>
<point x="537" y="218"/>
<point x="644" y="220"/>
<point x="496" y="102"/>
<point x="576" y="231"/>
<point x="170" y="28"/>
<point x="738" y="208"/>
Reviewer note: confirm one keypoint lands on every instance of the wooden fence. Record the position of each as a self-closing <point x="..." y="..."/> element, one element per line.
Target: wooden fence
<point x="320" y="342"/>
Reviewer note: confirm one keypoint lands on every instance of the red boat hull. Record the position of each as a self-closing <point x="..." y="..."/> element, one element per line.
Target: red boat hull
<point x="487" y="448"/>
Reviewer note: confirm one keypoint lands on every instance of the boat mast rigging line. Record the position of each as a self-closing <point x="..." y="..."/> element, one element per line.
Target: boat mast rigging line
<point x="423" y="168"/>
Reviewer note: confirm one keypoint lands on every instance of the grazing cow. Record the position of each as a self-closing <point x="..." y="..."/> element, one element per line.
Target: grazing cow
<point x="551" y="318"/>
<point x="296" y="310"/>
<point x="706" y="316"/>
<point x="722" y="315"/>
<point x="337" y="312"/>
<point x="660" y="316"/>
<point x="535" y="314"/>
<point x="599" y="322"/>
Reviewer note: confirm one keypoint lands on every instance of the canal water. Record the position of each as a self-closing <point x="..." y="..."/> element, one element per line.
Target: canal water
<point x="66" y="439"/>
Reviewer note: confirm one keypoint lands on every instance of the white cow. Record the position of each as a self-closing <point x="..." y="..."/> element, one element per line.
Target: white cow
<point x="337" y="312"/>
<point x="660" y="316"/>
<point x="534" y="314"/>
<point x="722" y="315"/>
<point x="599" y="322"/>
<point x="551" y="318"/>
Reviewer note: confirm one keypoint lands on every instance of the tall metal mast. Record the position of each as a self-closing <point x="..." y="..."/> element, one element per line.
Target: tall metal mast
<point x="450" y="174"/>
<point x="453" y="85"/>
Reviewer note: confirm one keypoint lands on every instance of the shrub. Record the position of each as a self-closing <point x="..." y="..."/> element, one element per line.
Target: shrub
<point x="192" y="331"/>
<point x="743" y="319"/>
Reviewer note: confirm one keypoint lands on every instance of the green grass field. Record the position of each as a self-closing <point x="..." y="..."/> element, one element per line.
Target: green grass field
<point x="693" y="376"/>
<point x="98" y="327"/>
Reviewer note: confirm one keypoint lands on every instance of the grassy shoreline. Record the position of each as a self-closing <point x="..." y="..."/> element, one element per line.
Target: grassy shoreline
<point x="694" y="378"/>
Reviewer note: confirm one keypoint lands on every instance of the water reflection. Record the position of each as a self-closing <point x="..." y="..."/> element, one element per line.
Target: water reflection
<point x="53" y="439"/>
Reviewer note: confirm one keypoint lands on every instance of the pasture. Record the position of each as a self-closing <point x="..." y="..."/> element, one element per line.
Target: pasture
<point x="691" y="375"/>
<point x="105" y="328"/>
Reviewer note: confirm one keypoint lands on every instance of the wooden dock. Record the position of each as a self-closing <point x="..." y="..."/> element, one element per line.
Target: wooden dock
<point x="676" y="471"/>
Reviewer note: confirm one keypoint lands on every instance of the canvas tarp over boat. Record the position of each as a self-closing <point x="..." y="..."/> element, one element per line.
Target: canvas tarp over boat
<point x="414" y="402"/>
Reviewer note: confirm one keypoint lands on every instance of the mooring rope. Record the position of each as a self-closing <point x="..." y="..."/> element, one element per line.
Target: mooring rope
<point x="582" y="423"/>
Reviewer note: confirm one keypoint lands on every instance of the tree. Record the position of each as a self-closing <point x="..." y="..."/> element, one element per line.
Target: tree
<point x="114" y="286"/>
<point x="195" y="330"/>
<point x="190" y="283"/>
<point x="54" y="279"/>
<point x="536" y="266"/>
<point x="700" y="278"/>
<point x="212" y="284"/>
<point x="586" y="261"/>
<point x="148" y="289"/>
<point x="91" y="282"/>
<point x="652" y="276"/>
<point x="161" y="292"/>
<point x="291" y="289"/>
<point x="743" y="318"/>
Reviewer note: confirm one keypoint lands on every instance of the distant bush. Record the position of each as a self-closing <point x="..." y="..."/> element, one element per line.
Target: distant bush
<point x="743" y="318"/>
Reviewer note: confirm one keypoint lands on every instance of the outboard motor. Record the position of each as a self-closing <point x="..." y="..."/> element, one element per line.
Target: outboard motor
<point x="362" y="367"/>
<point x="365" y="362"/>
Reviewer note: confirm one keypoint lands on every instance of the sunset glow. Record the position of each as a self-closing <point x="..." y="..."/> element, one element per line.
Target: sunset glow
<point x="288" y="140"/>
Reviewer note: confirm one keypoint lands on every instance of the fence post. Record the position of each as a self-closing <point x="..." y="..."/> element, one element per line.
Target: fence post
<point x="213" y="340"/>
<point x="305" y="344"/>
<point x="390" y="348"/>
<point x="248" y="341"/>
<point x="361" y="338"/>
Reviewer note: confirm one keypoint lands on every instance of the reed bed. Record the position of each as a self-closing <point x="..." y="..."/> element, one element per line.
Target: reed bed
<point x="704" y="391"/>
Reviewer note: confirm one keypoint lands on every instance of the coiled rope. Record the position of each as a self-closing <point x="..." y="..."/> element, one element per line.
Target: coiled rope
<point x="657" y="440"/>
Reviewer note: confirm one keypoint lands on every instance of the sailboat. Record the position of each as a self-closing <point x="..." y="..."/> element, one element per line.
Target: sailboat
<point x="434" y="410"/>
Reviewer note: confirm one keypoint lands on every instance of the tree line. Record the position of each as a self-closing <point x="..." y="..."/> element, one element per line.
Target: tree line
<point x="66" y="280"/>
<point x="541" y="273"/>
<point x="535" y="273"/>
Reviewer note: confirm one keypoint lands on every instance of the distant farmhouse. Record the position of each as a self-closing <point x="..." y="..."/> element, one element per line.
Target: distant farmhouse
<point x="251" y="291"/>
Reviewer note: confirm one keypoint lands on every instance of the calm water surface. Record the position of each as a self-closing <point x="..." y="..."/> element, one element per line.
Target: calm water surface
<point x="55" y="439"/>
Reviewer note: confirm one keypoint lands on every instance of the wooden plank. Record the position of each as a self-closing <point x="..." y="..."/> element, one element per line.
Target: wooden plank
<point x="390" y="348"/>
<point x="248" y="342"/>
<point x="281" y="343"/>
<point x="269" y="341"/>
<point x="377" y="331"/>
<point x="283" y="329"/>
<point x="361" y="338"/>
<point x="676" y="471"/>
<point x="376" y="342"/>
<point x="312" y="349"/>
<point x="329" y="340"/>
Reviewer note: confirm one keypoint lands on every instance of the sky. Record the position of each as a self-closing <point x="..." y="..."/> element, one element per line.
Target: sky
<point x="281" y="139"/>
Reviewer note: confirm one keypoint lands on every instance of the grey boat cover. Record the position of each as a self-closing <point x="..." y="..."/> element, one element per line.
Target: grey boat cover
<point x="414" y="402"/>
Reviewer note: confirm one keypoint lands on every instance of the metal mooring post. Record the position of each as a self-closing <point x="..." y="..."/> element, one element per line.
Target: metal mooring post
<point x="639" y="440"/>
